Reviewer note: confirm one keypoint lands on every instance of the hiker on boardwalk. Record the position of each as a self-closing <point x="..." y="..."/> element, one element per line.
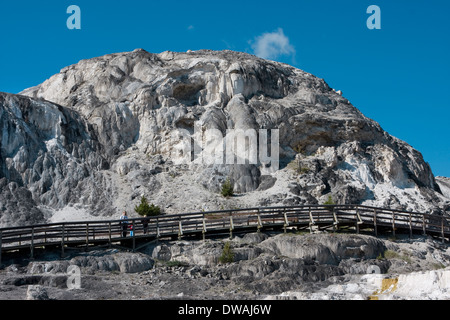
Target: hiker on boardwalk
<point x="145" y="222"/>
<point x="124" y="223"/>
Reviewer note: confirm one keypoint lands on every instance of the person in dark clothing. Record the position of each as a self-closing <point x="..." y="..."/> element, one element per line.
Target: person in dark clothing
<point x="145" y="222"/>
<point x="124" y="223"/>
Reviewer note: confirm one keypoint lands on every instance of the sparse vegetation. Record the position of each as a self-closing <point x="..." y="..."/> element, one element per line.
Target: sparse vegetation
<point x="299" y="148"/>
<point x="329" y="201"/>
<point x="293" y="165"/>
<point x="392" y="238"/>
<point x="176" y="263"/>
<point x="227" y="254"/>
<point x="146" y="209"/>
<point x="300" y="233"/>
<point x="303" y="170"/>
<point x="297" y="168"/>
<point x="390" y="254"/>
<point x="437" y="266"/>
<point x="227" y="189"/>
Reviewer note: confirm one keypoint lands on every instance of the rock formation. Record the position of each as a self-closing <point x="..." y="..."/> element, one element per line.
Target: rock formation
<point x="103" y="132"/>
<point x="444" y="185"/>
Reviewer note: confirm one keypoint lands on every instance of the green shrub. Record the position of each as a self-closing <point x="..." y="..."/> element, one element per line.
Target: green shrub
<point x="227" y="254"/>
<point x="227" y="189"/>
<point x="145" y="209"/>
<point x="329" y="201"/>
<point x="390" y="254"/>
<point x="437" y="266"/>
<point x="176" y="263"/>
<point x="303" y="170"/>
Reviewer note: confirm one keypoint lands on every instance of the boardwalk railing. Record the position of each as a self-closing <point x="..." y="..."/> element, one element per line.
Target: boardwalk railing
<point x="108" y="233"/>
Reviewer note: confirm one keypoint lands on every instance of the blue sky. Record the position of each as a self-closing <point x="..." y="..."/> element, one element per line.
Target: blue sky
<point x="398" y="75"/>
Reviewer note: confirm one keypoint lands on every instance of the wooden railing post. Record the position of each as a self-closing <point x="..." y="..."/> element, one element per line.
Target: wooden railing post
<point x="180" y="229"/>
<point x="133" y="229"/>
<point x="286" y="222"/>
<point x="204" y="228"/>
<point x="393" y="223"/>
<point x="87" y="235"/>
<point x="32" y="243"/>
<point x="62" y="240"/>
<point x="424" y="225"/>
<point x="410" y="226"/>
<point x="358" y="218"/>
<point x="231" y="225"/>
<point x="311" y="220"/>
<point x="335" y="220"/>
<point x="375" y="222"/>
<point x="157" y="229"/>
<point x="260" y="225"/>
<point x="109" y="234"/>
<point x="1" y="235"/>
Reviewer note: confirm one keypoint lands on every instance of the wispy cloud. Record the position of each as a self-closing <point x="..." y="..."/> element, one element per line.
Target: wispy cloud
<point x="272" y="45"/>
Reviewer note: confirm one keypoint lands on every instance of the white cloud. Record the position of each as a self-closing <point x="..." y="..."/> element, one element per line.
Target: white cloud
<point x="272" y="45"/>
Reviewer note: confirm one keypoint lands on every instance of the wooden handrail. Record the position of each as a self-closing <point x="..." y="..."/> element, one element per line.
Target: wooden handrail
<point x="90" y="232"/>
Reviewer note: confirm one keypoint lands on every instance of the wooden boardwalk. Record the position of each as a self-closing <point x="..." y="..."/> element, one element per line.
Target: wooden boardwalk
<point x="109" y="233"/>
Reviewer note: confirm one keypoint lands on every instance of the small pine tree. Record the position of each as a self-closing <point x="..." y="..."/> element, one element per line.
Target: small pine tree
<point x="329" y="203"/>
<point x="227" y="254"/>
<point x="227" y="189"/>
<point x="144" y="209"/>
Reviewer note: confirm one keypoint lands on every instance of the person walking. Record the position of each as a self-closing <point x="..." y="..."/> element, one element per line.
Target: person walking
<point x="145" y="222"/>
<point x="124" y="223"/>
